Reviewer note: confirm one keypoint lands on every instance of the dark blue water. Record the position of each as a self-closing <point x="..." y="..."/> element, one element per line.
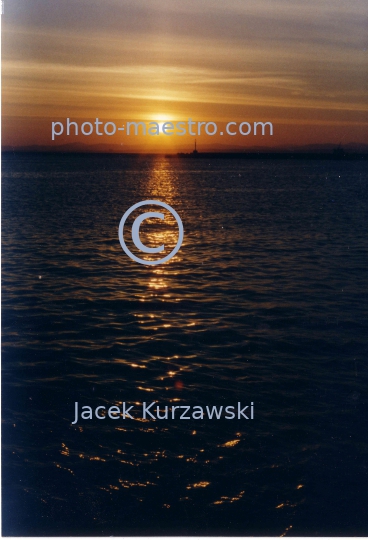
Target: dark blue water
<point x="266" y="302"/>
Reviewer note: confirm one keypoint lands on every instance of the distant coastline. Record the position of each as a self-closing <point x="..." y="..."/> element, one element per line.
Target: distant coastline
<point x="276" y="155"/>
<point x="348" y="151"/>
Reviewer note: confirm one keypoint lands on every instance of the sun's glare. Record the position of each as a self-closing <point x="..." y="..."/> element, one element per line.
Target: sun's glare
<point x="161" y="119"/>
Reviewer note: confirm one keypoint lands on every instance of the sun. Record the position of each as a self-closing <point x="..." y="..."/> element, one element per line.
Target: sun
<point x="161" y="119"/>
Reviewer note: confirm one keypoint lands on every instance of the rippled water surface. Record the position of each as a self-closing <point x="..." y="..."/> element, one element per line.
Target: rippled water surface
<point x="265" y="302"/>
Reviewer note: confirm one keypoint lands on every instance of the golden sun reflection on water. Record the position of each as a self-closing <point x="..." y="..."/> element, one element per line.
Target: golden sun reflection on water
<point x="158" y="283"/>
<point x="197" y="485"/>
<point x="162" y="182"/>
<point x="286" y="530"/>
<point x="230" y="443"/>
<point x="225" y="499"/>
<point x="161" y="185"/>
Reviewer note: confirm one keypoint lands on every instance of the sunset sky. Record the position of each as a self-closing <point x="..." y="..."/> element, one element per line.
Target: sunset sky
<point x="300" y="65"/>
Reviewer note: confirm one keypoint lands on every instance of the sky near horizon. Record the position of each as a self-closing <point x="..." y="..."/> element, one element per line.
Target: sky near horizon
<point x="300" y="65"/>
